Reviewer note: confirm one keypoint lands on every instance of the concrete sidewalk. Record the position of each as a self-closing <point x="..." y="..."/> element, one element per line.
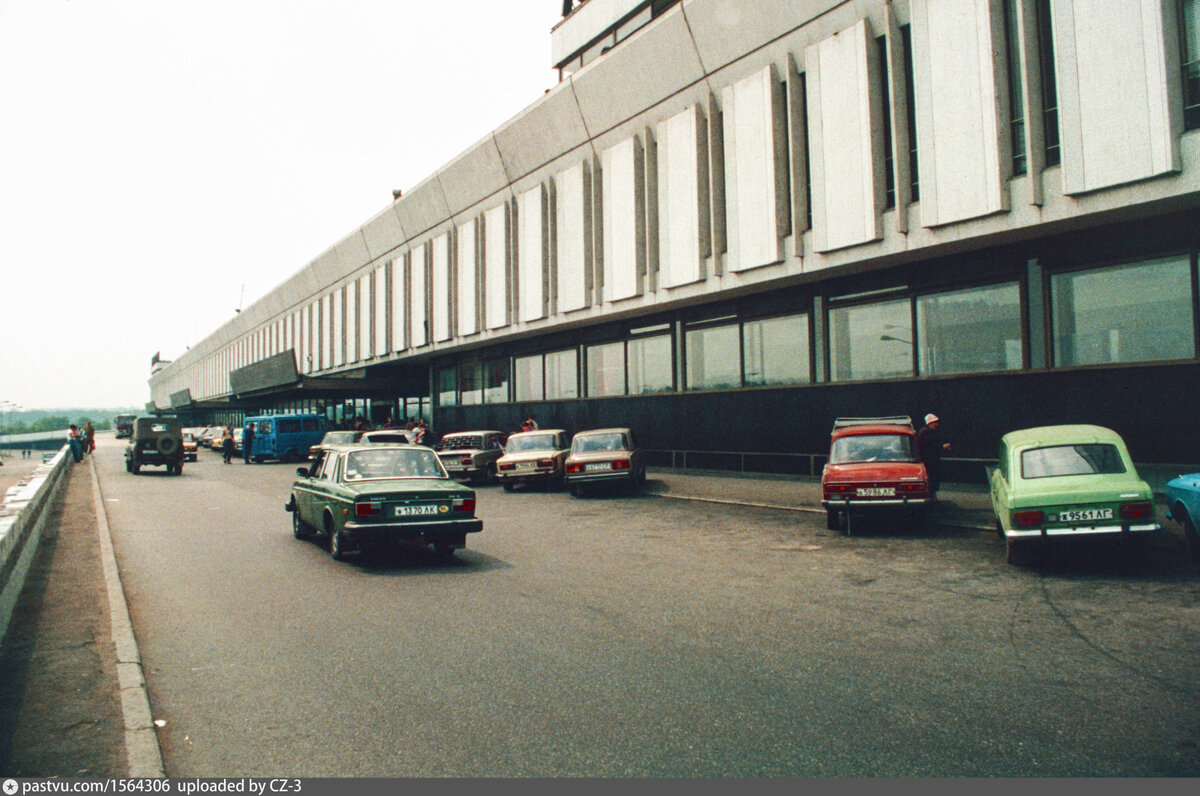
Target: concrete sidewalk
<point x="959" y="505"/>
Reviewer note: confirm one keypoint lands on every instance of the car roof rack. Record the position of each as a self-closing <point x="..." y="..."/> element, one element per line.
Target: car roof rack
<point x="893" y="420"/>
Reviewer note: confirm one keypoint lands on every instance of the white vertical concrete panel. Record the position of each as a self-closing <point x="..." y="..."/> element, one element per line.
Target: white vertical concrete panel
<point x="619" y="176"/>
<point x="468" y="280"/>
<point x="1115" y="114"/>
<point x="366" y="294"/>
<point x="326" y="331"/>
<point x="399" y="286"/>
<point x="846" y="160"/>
<point x="352" y="322"/>
<point x="957" y="57"/>
<point x="495" y="267"/>
<point x="531" y="261"/>
<point x="571" y="240"/>
<point x="339" y="320"/>
<point x="680" y="261"/>
<point x="750" y="181"/>
<point x="381" y="311"/>
<point x="440" y="287"/>
<point x="417" y="316"/>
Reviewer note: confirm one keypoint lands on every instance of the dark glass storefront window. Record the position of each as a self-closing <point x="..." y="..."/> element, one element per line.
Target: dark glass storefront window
<point x="606" y="369"/>
<point x="470" y="383"/>
<point x="970" y="331"/>
<point x="562" y="375"/>
<point x="871" y="341"/>
<point x="447" y="385"/>
<point x="776" y="351"/>
<point x="714" y="358"/>
<point x="496" y="381"/>
<point x="1140" y="312"/>
<point x="527" y="378"/>
<point x="651" y="366"/>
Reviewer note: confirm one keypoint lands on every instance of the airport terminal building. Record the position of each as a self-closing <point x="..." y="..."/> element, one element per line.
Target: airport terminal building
<point x="733" y="221"/>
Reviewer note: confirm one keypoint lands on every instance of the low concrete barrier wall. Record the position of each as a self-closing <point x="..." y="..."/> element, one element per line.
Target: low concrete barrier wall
<point x="22" y="519"/>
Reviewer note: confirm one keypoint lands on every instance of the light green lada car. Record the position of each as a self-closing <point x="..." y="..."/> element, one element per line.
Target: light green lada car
<point x="1067" y="482"/>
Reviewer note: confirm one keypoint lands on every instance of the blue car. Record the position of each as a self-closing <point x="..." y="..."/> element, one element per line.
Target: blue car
<point x="285" y="437"/>
<point x="1183" y="498"/>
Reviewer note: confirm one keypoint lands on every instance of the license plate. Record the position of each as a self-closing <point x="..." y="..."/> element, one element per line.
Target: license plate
<point x="413" y="511"/>
<point x="526" y="465"/>
<point x="1082" y="515"/>
<point x="877" y="491"/>
<point x="600" y="466"/>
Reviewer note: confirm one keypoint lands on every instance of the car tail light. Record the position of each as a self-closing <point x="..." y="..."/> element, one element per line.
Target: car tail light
<point x="574" y="468"/>
<point x="621" y="464"/>
<point x="466" y="461"/>
<point x="838" y="488"/>
<point x="367" y="509"/>
<point x="1136" y="511"/>
<point x="545" y="462"/>
<point x="920" y="487"/>
<point x="463" y="504"/>
<point x="1026" y="519"/>
<point x="507" y="466"/>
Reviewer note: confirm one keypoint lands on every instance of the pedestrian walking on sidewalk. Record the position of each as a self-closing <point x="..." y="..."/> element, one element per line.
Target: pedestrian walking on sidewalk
<point x="932" y="446"/>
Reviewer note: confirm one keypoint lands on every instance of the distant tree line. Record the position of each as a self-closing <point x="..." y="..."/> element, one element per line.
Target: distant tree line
<point x="33" y="421"/>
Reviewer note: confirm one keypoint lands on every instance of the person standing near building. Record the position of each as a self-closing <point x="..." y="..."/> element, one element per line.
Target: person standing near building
<point x="931" y="446"/>
<point x="247" y="442"/>
<point x="227" y="444"/>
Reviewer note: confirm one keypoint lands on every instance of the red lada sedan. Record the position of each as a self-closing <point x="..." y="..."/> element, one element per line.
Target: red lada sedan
<point x="874" y="465"/>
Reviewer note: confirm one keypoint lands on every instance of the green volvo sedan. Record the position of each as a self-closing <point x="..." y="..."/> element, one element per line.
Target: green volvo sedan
<point x="1067" y="481"/>
<point x="358" y="495"/>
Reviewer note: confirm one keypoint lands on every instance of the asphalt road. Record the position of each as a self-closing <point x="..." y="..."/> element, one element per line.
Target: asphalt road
<point x="619" y="636"/>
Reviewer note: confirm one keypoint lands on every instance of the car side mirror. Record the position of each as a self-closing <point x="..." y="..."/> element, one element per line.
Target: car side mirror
<point x="302" y="472"/>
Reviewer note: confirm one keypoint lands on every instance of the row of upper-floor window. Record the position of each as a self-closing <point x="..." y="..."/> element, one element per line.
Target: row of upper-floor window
<point x="1133" y="312"/>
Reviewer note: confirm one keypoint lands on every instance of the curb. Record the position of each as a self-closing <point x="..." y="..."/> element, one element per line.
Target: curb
<point x="946" y="523"/>
<point x="142" y="754"/>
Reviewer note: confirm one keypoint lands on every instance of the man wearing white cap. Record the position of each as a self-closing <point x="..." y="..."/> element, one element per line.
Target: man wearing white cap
<point x="930" y="444"/>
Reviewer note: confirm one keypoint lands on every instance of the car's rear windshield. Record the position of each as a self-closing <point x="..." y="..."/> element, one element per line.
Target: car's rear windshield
<point x="338" y="437"/>
<point x="593" y="443"/>
<point x="533" y="442"/>
<point x="873" y="448"/>
<point x="463" y="442"/>
<point x="391" y="438"/>
<point x="392" y="463"/>
<point x="1093" y="458"/>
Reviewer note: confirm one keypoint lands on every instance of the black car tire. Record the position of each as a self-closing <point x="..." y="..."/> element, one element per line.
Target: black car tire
<point x="443" y="551"/>
<point x="490" y="475"/>
<point x="337" y="542"/>
<point x="129" y="465"/>
<point x="1020" y="551"/>
<point x="836" y="520"/>
<point x="508" y="486"/>
<point x="576" y="490"/>
<point x="1189" y="532"/>
<point x="137" y="468"/>
<point x="300" y="529"/>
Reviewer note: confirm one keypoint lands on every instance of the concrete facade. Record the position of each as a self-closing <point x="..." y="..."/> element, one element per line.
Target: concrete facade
<point x="797" y="156"/>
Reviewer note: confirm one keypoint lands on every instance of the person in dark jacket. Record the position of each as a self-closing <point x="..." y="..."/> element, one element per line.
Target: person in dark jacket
<point x="931" y="447"/>
<point x="227" y="444"/>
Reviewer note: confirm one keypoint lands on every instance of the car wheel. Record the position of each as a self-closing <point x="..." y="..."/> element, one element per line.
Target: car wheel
<point x="508" y="486"/>
<point x="834" y="520"/>
<point x="1189" y="532"/>
<point x="336" y="542"/>
<point x="1021" y="551"/>
<point x="576" y="491"/>
<point x="128" y="466"/>
<point x="300" y="528"/>
<point x="443" y="551"/>
<point x="490" y="476"/>
<point x="137" y="468"/>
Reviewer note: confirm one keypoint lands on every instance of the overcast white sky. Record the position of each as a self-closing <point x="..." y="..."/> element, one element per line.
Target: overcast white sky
<point x="157" y="155"/>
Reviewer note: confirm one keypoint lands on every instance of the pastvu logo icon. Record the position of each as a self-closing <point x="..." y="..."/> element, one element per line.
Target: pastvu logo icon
<point x="10" y="786"/>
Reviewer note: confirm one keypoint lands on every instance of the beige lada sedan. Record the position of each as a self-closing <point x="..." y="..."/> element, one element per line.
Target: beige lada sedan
<point x="532" y="457"/>
<point x="604" y="456"/>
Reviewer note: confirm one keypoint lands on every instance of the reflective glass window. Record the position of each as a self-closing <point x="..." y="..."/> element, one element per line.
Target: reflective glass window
<point x="970" y="331"/>
<point x="527" y="378"/>
<point x="871" y="341"/>
<point x="714" y="358"/>
<point x="776" y="351"/>
<point x="562" y="375"/>
<point x="470" y="383"/>
<point x="447" y="381"/>
<point x="495" y="385"/>
<point x="1138" y="312"/>
<point x="606" y="369"/>
<point x="651" y="366"/>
